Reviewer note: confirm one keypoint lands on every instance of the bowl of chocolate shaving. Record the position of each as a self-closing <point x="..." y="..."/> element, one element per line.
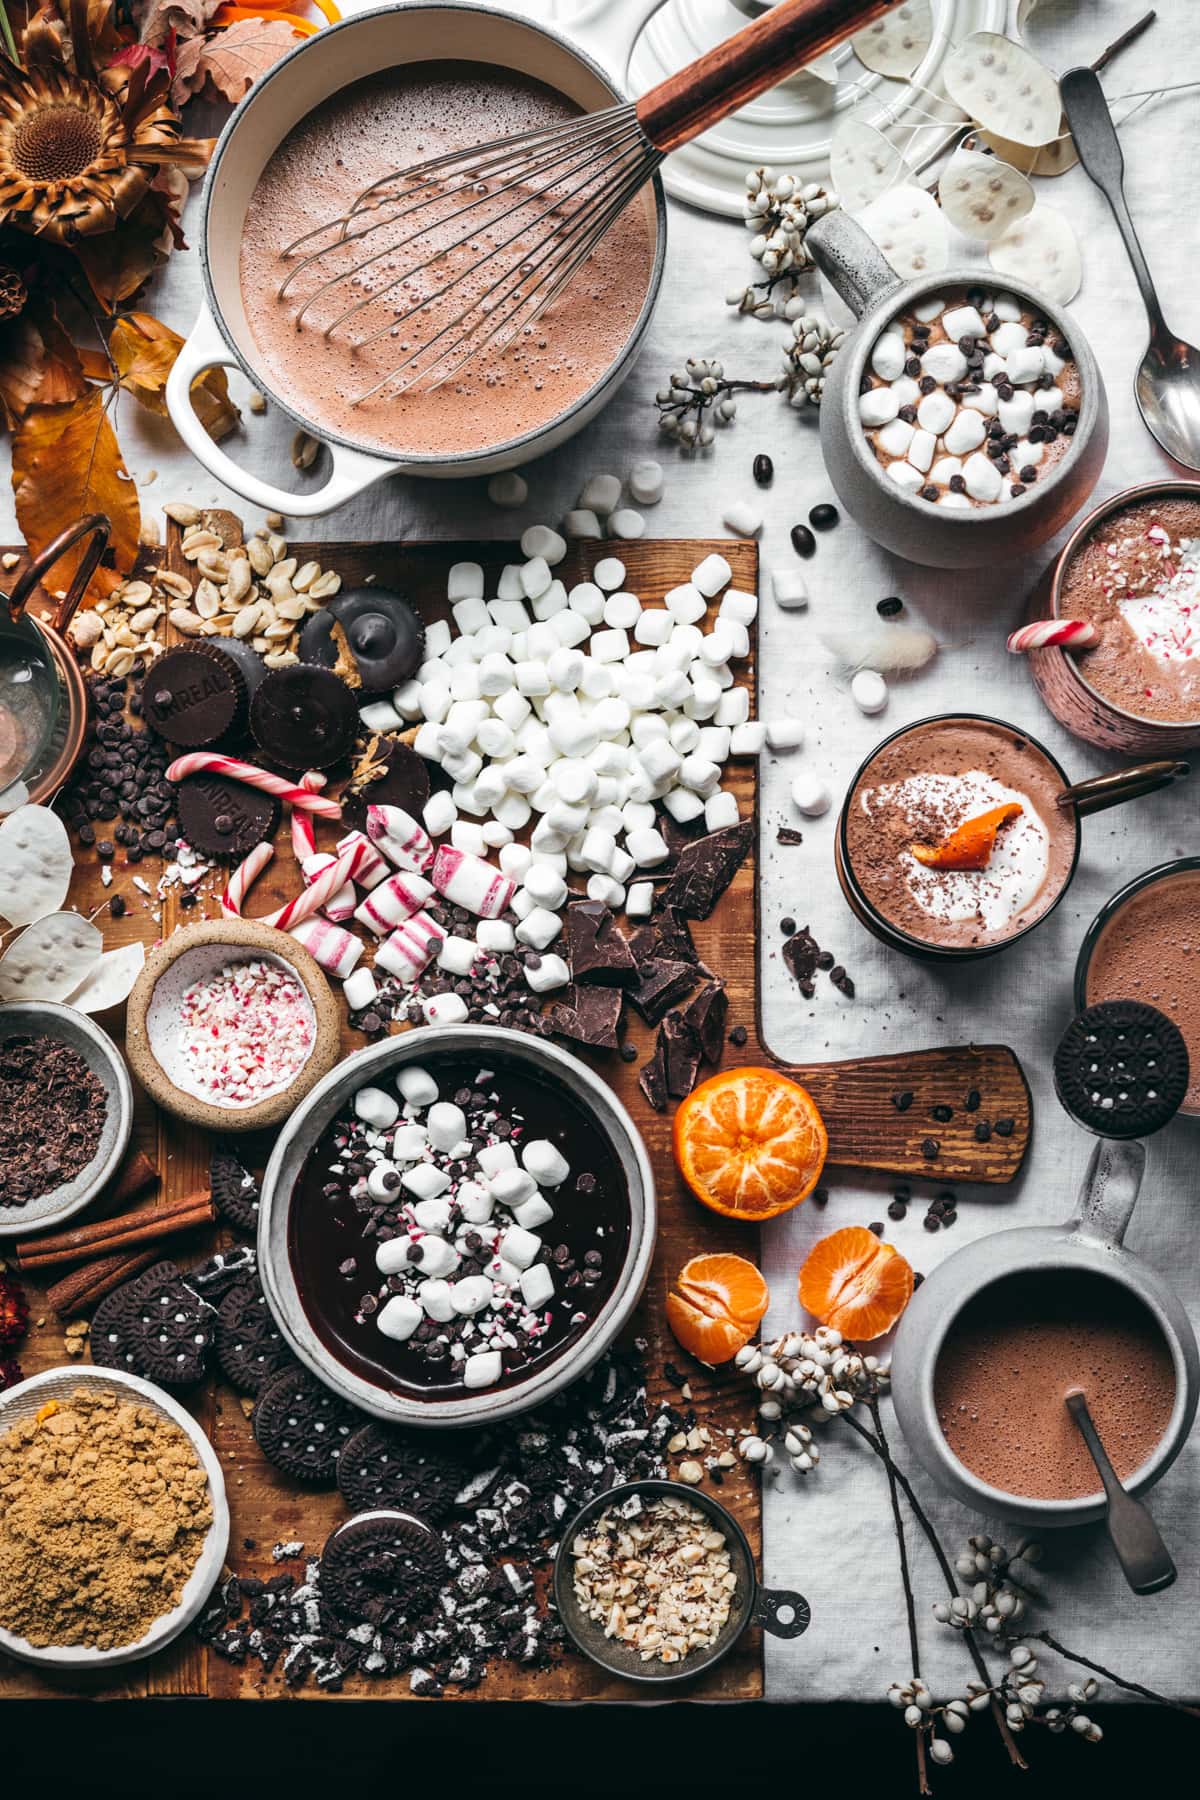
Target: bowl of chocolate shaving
<point x="66" y="1112"/>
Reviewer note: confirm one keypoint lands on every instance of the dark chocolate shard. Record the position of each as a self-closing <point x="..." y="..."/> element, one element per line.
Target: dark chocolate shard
<point x="597" y="948"/>
<point x="589" y="1015"/>
<point x="652" y="1078"/>
<point x="666" y="934"/>
<point x="802" y="955"/>
<point x="680" y="1045"/>
<point x="706" y="1014"/>
<point x="706" y="868"/>
<point x="663" y="982"/>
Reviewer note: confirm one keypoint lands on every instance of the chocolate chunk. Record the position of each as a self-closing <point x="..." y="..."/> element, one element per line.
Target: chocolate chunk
<point x="663" y="982"/>
<point x="706" y="868"/>
<point x="652" y="1078"/>
<point x="802" y="955"/>
<point x="666" y="934"/>
<point x="787" y="834"/>
<point x="706" y="1014"/>
<point x="589" y="1015"/>
<point x="597" y="949"/>
<point x="392" y="775"/>
<point x="680" y="1044"/>
<point x="372" y="630"/>
<point x="223" y="818"/>
<point x="304" y="717"/>
<point x="195" y="696"/>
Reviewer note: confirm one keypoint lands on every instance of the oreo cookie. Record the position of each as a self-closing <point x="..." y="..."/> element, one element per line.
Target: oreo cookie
<point x="382" y="1568"/>
<point x="194" y="696"/>
<point x="304" y="717"/>
<point x="303" y="1427"/>
<point x="249" y="1344"/>
<point x="155" y="1326"/>
<point x="1121" y="1069"/>
<point x="394" y="1468"/>
<point x="223" y="818"/>
<point x="234" y="1189"/>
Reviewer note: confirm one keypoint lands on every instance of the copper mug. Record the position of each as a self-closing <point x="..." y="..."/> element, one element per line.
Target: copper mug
<point x="1059" y="675"/>
<point x="1075" y="802"/>
<point x="43" y="696"/>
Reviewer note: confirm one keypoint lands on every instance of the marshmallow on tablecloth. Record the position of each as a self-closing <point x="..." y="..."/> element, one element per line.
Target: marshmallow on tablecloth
<point x="398" y="899"/>
<point x="400" y="838"/>
<point x="469" y="882"/>
<point x="335" y="950"/>
<point x="360" y="990"/>
<point x="372" y="868"/>
<point x="339" y="906"/>
<point x="410" y="948"/>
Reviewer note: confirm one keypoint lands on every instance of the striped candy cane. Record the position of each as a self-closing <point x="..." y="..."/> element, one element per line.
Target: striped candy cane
<point x="304" y="830"/>
<point x="202" y="762"/>
<point x="312" y="900"/>
<point x="1067" y="634"/>
<point x="244" y="877"/>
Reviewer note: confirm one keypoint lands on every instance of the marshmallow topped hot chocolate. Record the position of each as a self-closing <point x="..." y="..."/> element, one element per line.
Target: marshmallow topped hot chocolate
<point x="366" y="132"/>
<point x="953" y="836"/>
<point x="969" y="399"/>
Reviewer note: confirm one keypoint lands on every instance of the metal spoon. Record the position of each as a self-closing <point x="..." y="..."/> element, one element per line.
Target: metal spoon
<point x="1167" y="384"/>
<point x="1144" y="1558"/>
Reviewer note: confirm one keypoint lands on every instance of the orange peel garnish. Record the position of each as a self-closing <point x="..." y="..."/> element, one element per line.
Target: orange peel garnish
<point x="971" y="844"/>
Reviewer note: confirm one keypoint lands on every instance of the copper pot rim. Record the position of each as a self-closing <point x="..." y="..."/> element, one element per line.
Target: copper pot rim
<point x="1127" y="496"/>
<point x="75" y="705"/>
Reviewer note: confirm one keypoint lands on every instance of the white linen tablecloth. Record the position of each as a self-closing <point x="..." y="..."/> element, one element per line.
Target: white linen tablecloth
<point x="832" y="1537"/>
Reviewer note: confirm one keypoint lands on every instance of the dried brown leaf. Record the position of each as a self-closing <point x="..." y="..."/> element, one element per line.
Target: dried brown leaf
<point x="120" y="262"/>
<point x="157" y="19"/>
<point x="67" y="462"/>
<point x="22" y="365"/>
<point x="144" y="350"/>
<point x="231" y="61"/>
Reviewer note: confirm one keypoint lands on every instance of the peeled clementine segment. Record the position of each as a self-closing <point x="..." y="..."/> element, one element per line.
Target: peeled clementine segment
<point x="750" y="1143"/>
<point x="855" y="1283"/>
<point x="971" y="844"/>
<point x="717" y="1306"/>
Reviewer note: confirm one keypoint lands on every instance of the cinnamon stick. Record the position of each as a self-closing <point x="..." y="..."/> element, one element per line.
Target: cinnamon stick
<point x="106" y="1237"/>
<point x="84" y="1288"/>
<point x="136" y="1177"/>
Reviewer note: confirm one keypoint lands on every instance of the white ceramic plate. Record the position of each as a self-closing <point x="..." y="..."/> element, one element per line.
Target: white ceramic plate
<point x="21" y="1402"/>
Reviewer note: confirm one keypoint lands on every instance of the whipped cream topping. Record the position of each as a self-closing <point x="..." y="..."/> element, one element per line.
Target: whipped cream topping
<point x="1018" y="863"/>
<point x="1156" y="584"/>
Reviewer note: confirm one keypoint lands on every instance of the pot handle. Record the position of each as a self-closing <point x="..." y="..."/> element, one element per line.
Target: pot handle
<point x="1110" y="1190"/>
<point x="96" y="526"/>
<point x="771" y="1603"/>
<point x="353" y="470"/>
<point x="854" y="267"/>
<point x="1103" y="791"/>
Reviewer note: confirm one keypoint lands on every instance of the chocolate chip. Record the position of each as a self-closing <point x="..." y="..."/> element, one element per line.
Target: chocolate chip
<point x="929" y="1148"/>
<point x="888" y="608"/>
<point x="824" y="517"/>
<point x="788" y="926"/>
<point x="971" y="1103"/>
<point x="803" y="541"/>
<point x="764" y="470"/>
<point x="902" y="1101"/>
<point x="1004" y="1127"/>
<point x="738" y="1037"/>
<point x="929" y="492"/>
<point x="942" y="1114"/>
<point x="116" y="906"/>
<point x="897" y="1210"/>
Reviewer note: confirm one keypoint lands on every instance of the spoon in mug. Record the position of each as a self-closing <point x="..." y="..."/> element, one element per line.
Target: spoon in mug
<point x="1167" y="383"/>
<point x="1144" y="1558"/>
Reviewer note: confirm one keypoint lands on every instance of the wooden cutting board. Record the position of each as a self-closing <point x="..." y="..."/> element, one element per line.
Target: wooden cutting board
<point x="866" y="1131"/>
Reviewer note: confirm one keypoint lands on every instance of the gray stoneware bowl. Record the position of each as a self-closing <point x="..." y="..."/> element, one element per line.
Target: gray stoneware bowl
<point x="914" y="528"/>
<point x="1089" y="1243"/>
<point x="780" y="1611"/>
<point x="304" y="1128"/>
<point x="43" y="1019"/>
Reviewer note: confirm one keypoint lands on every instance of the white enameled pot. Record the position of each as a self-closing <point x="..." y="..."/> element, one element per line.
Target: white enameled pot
<point x="391" y="36"/>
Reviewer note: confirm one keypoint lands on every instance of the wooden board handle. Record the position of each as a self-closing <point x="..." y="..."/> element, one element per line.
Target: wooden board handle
<point x="746" y="64"/>
<point x="872" y="1124"/>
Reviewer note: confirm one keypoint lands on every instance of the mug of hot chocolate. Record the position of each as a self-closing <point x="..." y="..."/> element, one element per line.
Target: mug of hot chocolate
<point x="960" y="833"/>
<point x="1145" y="945"/>
<point x="997" y="1336"/>
<point x="963" y="421"/>
<point x="321" y="328"/>
<point x="1130" y="576"/>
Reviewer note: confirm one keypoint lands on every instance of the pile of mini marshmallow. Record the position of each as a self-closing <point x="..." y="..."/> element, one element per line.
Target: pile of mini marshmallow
<point x="423" y="1158"/>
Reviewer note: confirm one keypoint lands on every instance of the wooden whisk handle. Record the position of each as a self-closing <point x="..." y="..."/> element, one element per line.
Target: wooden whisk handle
<point x="746" y="64"/>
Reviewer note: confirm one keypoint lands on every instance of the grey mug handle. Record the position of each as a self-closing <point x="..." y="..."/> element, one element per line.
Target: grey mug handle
<point x="1110" y="1190"/>
<point x="854" y="267"/>
<point x="769" y="1603"/>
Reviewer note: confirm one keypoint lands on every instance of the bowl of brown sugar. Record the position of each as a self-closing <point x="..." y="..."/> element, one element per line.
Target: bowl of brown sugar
<point x="113" y="1519"/>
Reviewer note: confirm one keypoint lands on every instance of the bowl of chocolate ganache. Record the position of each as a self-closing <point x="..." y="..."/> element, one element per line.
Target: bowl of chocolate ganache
<point x="520" y="1291"/>
<point x="995" y="1337"/>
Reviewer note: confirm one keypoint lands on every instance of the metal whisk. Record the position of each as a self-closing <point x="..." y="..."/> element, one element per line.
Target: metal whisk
<point x="465" y="250"/>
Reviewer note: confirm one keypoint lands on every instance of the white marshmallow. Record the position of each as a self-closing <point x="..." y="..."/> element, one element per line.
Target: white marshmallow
<point x="784" y="733"/>
<point x="921" y="450"/>
<point x="399" y="1317"/>
<point x="470" y="1295"/>
<point x="539" y="928"/>
<point x="409" y="1142"/>
<point x="446" y="1125"/>
<point x="626" y="523"/>
<point x="425" y="1180"/>
<point x="518" y="1247"/>
<point x="1024" y="364"/>
<point x="540" y="541"/>
<point x="609" y="574"/>
<point x="511" y="1186"/>
<point x="1008" y="336"/>
<point x="508" y="489"/>
<point x="935" y="412"/>
<point x="1016" y="415"/>
<point x="483" y="1369"/>
<point x="646" y="482"/>
<point x="465" y="581"/>
<point x="546" y="885"/>
<point x="537" y="1285"/>
<point x="606" y="889"/>
<point x="432" y="1215"/>
<point x="810" y="796"/>
<point x="434" y="1298"/>
<point x="878" y="406"/>
<point x="602" y="493"/>
<point x="905" y="476"/>
<point x="580" y="523"/>
<point x="546" y="1163"/>
<point x="743" y="519"/>
<point x="376" y="1108"/>
<point x="533" y="1212"/>
<point x="720" y="810"/>
<point x="789" y="589"/>
<point x="739" y="606"/>
<point x="445" y="1009"/>
<point x="967" y="432"/>
<point x="474" y="1202"/>
<point x="360" y="990"/>
<point x="711" y="575"/>
<point x="889" y="355"/>
<point x="647" y="848"/>
<point x="383" y="1179"/>
<point x="982" y="477"/>
<point x="417" y="1086"/>
<point x="895" y="438"/>
<point x="622" y="610"/>
<point x="494" y="1157"/>
<point x="392" y="1255"/>
<point x="639" y="901"/>
<point x="944" y="469"/>
<point x="686" y="604"/>
<point x="983" y="400"/>
<point x="869" y="691"/>
<point x="380" y="715"/>
<point x="438" y="1257"/>
<point x="944" y="362"/>
<point x="748" y="739"/>
<point x="962" y="321"/>
<point x="587" y="600"/>
<point x="683" y="805"/>
<point x="552" y="972"/>
<point x="654" y="626"/>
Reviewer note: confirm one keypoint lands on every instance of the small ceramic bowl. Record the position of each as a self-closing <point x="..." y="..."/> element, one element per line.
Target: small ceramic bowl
<point x="21" y="1402"/>
<point x="43" y="1019"/>
<point x="780" y="1611"/>
<point x="194" y="953"/>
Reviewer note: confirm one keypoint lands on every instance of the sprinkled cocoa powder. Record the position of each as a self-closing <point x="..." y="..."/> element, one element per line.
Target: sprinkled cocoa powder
<point x="52" y="1112"/>
<point x="104" y="1509"/>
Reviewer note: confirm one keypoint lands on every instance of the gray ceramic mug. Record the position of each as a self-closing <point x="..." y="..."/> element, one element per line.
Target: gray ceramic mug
<point x="971" y="538"/>
<point x="1090" y="1243"/>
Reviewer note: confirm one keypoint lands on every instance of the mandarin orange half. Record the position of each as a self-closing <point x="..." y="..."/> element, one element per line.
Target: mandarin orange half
<point x="855" y="1283"/>
<point x="717" y="1306"/>
<point x="750" y="1143"/>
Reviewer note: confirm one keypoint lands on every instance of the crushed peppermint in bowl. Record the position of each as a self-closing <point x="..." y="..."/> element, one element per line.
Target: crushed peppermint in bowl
<point x="230" y="1025"/>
